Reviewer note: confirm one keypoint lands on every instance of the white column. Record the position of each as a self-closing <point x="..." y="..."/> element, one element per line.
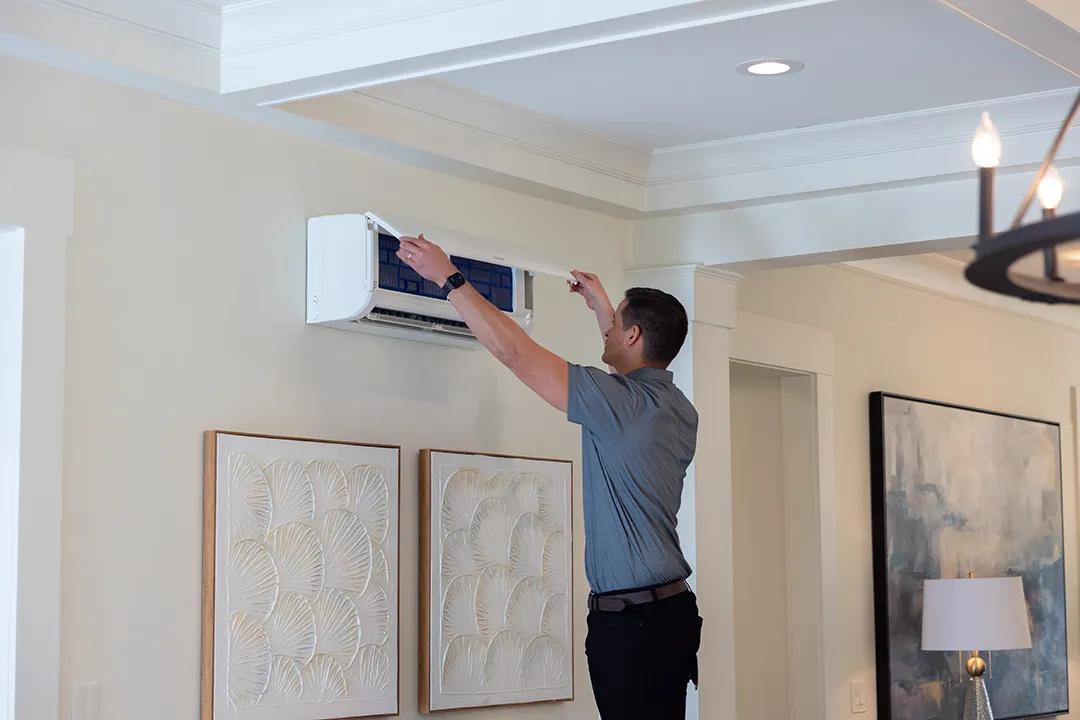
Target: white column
<point x="702" y="372"/>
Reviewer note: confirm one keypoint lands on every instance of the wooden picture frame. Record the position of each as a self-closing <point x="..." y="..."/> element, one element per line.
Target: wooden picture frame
<point x="212" y="590"/>
<point x="951" y="487"/>
<point x="428" y="566"/>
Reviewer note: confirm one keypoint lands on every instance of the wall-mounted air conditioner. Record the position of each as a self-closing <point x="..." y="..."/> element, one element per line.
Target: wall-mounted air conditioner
<point x="355" y="280"/>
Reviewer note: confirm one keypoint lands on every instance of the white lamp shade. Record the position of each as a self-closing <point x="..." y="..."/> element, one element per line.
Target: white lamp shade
<point x="975" y="614"/>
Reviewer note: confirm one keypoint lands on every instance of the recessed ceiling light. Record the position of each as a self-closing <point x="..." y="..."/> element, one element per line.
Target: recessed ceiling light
<point x="770" y="67"/>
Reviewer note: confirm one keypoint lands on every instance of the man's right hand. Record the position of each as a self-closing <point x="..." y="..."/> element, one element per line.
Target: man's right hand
<point x="588" y="286"/>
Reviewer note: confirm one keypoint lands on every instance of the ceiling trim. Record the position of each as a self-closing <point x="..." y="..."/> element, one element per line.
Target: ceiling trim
<point x="570" y="163"/>
<point x="166" y="32"/>
<point x="943" y="277"/>
<point x="491" y="121"/>
<point x="924" y="146"/>
<point x="908" y="148"/>
<point x="177" y="47"/>
<point x="207" y="7"/>
<point x="243" y="5"/>
<point x="509" y="141"/>
<point x="1026" y="26"/>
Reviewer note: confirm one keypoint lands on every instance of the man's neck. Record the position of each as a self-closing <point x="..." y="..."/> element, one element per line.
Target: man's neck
<point x="626" y="370"/>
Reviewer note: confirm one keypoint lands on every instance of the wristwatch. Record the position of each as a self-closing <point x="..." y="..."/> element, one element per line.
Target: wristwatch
<point x="453" y="283"/>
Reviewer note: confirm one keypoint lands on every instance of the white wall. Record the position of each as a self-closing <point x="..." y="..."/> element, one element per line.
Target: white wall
<point x="11" y="331"/>
<point x="759" y="534"/>
<point x="898" y="339"/>
<point x="186" y="312"/>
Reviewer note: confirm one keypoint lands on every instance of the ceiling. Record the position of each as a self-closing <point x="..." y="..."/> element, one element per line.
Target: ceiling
<point x="863" y="58"/>
<point x="630" y="108"/>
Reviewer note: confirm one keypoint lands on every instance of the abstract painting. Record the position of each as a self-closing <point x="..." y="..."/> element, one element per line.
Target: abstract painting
<point x="300" y="565"/>
<point x="958" y="490"/>
<point x="496" y="580"/>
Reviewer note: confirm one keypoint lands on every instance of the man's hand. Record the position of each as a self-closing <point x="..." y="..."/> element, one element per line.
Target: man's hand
<point x="588" y="286"/>
<point x="426" y="258"/>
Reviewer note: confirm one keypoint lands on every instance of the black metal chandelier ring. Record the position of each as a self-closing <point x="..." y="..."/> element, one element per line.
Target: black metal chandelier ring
<point x="996" y="254"/>
<point x="991" y="269"/>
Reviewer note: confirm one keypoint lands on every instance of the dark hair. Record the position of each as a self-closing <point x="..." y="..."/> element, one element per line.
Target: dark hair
<point x="662" y="320"/>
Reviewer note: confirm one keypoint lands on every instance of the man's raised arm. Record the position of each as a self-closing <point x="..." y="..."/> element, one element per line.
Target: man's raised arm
<point x="542" y="370"/>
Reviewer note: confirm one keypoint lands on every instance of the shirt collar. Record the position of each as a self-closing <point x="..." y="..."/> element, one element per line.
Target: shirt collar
<point x="648" y="373"/>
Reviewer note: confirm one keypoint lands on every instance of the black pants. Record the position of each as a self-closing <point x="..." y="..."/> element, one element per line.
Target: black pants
<point x="641" y="659"/>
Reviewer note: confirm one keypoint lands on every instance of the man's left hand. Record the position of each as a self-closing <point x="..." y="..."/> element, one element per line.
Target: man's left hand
<point x="426" y="258"/>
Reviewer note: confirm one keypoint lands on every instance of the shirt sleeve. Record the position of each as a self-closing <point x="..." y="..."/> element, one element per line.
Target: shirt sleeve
<point x="599" y="401"/>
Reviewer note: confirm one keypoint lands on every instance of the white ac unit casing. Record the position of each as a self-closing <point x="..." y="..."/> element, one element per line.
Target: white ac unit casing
<point x="343" y="282"/>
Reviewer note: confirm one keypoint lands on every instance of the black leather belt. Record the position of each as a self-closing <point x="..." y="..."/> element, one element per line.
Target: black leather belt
<point x="617" y="602"/>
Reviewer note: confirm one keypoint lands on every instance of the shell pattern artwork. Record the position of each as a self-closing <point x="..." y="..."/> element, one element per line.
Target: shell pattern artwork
<point x="307" y="584"/>
<point x="503" y="575"/>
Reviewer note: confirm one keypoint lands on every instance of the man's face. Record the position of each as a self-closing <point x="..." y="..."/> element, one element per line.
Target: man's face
<point x="616" y="343"/>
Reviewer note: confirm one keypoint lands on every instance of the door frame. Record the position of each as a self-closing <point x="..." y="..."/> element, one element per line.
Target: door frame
<point x="37" y="194"/>
<point x="807" y="353"/>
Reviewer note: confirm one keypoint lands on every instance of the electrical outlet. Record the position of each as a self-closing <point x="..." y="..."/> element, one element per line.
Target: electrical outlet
<point x="858" y="697"/>
<point x="85" y="703"/>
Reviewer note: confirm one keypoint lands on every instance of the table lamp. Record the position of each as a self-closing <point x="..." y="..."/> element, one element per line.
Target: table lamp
<point x="975" y="614"/>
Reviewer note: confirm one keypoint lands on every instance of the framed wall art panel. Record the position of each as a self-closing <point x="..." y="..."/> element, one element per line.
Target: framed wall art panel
<point x="301" y="571"/>
<point x="496" y="580"/>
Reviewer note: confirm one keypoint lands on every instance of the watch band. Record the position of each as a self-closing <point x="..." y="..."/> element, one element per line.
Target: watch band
<point x="453" y="282"/>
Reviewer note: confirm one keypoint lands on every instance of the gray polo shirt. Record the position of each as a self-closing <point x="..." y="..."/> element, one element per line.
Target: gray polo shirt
<point x="638" y="435"/>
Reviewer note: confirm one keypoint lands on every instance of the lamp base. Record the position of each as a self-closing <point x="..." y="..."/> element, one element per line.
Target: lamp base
<point x="977" y="701"/>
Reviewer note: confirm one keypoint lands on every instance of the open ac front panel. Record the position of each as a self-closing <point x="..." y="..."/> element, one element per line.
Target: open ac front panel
<point x="357" y="283"/>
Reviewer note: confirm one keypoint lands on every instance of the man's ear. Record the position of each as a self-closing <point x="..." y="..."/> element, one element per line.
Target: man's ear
<point x="633" y="335"/>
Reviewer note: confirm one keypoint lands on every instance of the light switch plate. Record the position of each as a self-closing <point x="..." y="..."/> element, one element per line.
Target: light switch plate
<point x="85" y="703"/>
<point x="858" y="697"/>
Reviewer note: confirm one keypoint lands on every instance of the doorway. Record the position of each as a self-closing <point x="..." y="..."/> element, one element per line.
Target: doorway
<point x="776" y="542"/>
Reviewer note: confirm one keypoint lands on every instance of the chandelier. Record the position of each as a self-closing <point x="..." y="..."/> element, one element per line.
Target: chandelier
<point x="1023" y="260"/>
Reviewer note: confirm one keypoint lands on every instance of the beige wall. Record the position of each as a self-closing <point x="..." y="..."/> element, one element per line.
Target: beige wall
<point x="906" y="341"/>
<point x="186" y="312"/>
<point x="759" y="535"/>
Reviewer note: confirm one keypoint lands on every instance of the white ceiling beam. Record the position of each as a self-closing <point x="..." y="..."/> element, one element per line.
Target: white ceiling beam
<point x="888" y="221"/>
<point x="291" y="49"/>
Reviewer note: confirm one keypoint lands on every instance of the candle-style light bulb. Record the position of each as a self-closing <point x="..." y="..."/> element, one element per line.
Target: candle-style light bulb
<point x="1051" y="188"/>
<point x="986" y="147"/>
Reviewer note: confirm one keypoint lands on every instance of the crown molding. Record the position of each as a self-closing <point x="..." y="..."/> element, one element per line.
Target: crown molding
<point x="183" y="22"/>
<point x="930" y="146"/>
<point x="205" y="7"/>
<point x="441" y="120"/>
<point x="924" y="146"/>
<point x="689" y="270"/>
<point x="514" y="127"/>
<point x="178" y="44"/>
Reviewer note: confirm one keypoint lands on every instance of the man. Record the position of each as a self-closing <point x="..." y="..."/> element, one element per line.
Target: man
<point x="639" y="434"/>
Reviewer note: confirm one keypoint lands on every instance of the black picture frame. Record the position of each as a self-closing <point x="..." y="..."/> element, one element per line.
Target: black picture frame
<point x="880" y="548"/>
